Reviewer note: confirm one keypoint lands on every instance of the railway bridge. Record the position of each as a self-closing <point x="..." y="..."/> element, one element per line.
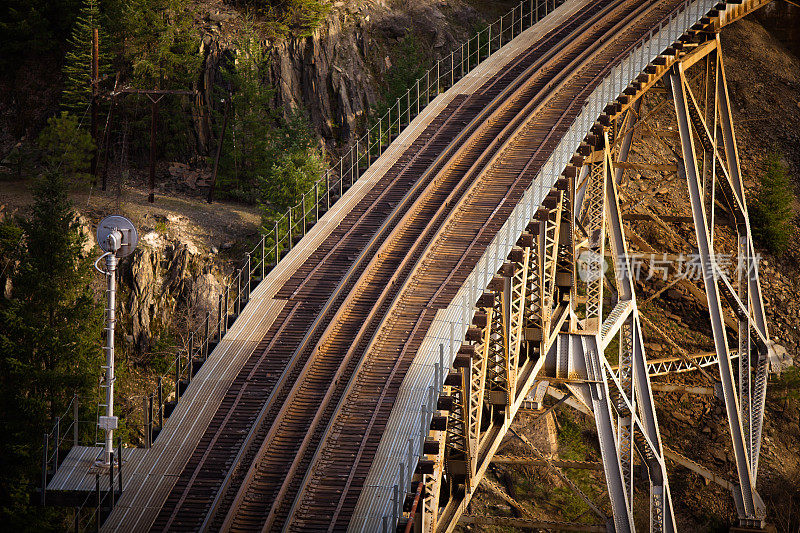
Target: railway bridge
<point x="479" y="249"/>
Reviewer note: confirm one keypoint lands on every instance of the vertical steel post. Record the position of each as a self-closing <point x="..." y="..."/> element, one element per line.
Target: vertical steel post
<point x="289" y="220"/>
<point x="190" y="357"/>
<point x="160" y="403"/>
<point x="75" y="420"/>
<point x="276" y="244"/>
<point x="99" y="500"/>
<point x="111" y="478"/>
<point x="227" y="306"/>
<point x="44" y="466"/>
<point x="111" y="291"/>
<point x="208" y="319"/>
<point x="177" y="377"/>
<point x="119" y="464"/>
<point x="145" y="422"/>
<point x="150" y="420"/>
<point x="58" y="441"/>
<point x="239" y="292"/>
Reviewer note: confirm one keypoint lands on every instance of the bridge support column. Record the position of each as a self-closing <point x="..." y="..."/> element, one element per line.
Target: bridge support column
<point x="746" y="301"/>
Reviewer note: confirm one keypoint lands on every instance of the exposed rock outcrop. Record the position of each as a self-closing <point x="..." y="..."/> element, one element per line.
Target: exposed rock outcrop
<point x="165" y="282"/>
<point x="336" y="74"/>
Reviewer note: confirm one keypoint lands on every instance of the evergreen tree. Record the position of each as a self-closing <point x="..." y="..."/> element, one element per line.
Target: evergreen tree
<point x="268" y="158"/>
<point x="67" y="147"/>
<point x="32" y="27"/>
<point x="162" y="43"/>
<point x="77" y="70"/>
<point x="49" y="345"/>
<point x="773" y="207"/>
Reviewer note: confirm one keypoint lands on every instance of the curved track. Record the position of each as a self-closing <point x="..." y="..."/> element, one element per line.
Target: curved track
<point x="294" y="436"/>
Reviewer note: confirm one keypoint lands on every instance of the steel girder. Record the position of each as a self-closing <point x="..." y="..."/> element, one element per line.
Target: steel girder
<point x="529" y="331"/>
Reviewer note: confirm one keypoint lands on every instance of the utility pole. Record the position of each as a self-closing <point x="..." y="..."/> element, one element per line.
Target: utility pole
<point x="117" y="236"/>
<point x="155" y="96"/>
<point x="153" y="128"/>
<point x="95" y="91"/>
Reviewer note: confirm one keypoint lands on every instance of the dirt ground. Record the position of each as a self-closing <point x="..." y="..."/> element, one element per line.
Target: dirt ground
<point x="183" y="216"/>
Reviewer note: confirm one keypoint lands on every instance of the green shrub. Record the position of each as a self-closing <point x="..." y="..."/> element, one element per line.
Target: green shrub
<point x="772" y="218"/>
<point x="67" y="147"/>
<point x="267" y="158"/>
<point x="295" y="18"/>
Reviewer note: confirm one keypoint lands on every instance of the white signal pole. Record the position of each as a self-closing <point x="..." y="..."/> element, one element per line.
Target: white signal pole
<point x="118" y="238"/>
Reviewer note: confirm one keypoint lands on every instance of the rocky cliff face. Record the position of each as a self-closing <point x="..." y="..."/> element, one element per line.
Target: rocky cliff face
<point x="166" y="283"/>
<point x="336" y="74"/>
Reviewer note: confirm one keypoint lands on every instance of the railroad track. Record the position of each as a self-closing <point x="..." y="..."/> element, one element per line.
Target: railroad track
<point x="373" y="279"/>
<point x="223" y="455"/>
<point x="331" y="489"/>
<point x="275" y="486"/>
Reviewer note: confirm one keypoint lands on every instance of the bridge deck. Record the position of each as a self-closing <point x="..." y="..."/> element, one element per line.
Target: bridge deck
<point x="148" y="484"/>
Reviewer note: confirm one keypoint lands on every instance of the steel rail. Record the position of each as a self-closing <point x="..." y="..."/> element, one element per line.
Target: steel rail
<point x="445" y="156"/>
<point x="622" y="23"/>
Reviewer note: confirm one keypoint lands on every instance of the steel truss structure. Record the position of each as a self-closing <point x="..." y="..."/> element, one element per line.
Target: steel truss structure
<point x="555" y="313"/>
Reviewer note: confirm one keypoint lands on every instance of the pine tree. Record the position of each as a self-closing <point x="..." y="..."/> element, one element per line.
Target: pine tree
<point x="67" y="147"/>
<point x="77" y="70"/>
<point x="773" y="207"/>
<point x="162" y="43"/>
<point x="49" y="344"/>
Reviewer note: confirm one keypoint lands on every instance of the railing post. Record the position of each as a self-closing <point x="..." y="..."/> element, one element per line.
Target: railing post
<point x="531" y="3"/>
<point x="160" y="403"/>
<point x="452" y="68"/>
<point x="417" y="97"/>
<point x="111" y="478"/>
<point x="219" y="319"/>
<point x="119" y="464"/>
<point x="177" y="377"/>
<point x="263" y="259"/>
<point x="316" y="201"/>
<point x="276" y="244"/>
<point x="247" y="283"/>
<point x="290" y="228"/>
<point x="44" y="466"/>
<point x="75" y="419"/>
<point x="99" y="500"/>
<point x="58" y="440"/>
<point x="145" y="422"/>
<point x="303" y="207"/>
<point x="150" y="420"/>
<point x="352" y="167"/>
<point x="191" y="357"/>
<point x="205" y="329"/>
<point x="238" y="292"/>
<point x="438" y="85"/>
